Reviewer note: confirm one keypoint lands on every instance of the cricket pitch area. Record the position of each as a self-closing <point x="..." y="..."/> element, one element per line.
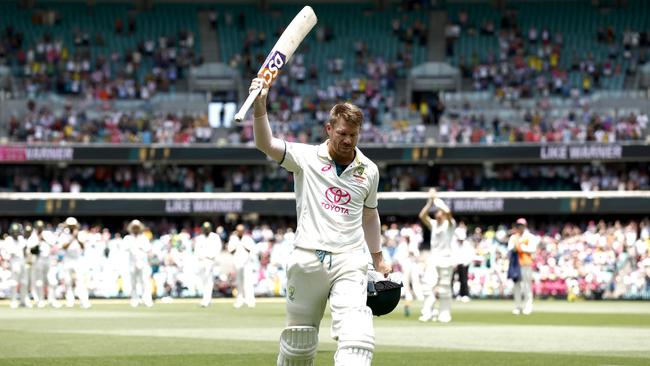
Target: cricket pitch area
<point x="182" y="333"/>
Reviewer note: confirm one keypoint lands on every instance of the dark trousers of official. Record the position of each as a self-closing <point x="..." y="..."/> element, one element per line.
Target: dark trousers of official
<point x="461" y="271"/>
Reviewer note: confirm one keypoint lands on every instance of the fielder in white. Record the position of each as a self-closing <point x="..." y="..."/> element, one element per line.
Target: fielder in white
<point x="525" y="244"/>
<point x="338" y="222"/>
<point x="440" y="264"/>
<point x="207" y="247"/>
<point x="14" y="251"/>
<point x="42" y="244"/>
<point x="140" y="250"/>
<point x="74" y="266"/>
<point x="243" y="248"/>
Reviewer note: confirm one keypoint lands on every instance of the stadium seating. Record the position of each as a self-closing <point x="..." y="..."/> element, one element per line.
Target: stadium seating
<point x="162" y="20"/>
<point x="349" y="24"/>
<point x="577" y="21"/>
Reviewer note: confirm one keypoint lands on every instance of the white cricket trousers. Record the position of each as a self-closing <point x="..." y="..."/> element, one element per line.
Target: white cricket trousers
<point x="20" y="275"/>
<point x="141" y="283"/>
<point x="411" y="280"/>
<point x="437" y="281"/>
<point x="43" y="275"/>
<point x="74" y="269"/>
<point x="206" y="280"/>
<point x="340" y="277"/>
<point x="245" y="282"/>
<point x="523" y="290"/>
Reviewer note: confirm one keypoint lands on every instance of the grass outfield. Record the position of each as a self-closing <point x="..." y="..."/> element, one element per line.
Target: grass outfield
<point x="482" y="333"/>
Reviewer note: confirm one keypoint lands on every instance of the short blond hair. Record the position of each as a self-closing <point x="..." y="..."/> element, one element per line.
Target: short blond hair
<point x="347" y="111"/>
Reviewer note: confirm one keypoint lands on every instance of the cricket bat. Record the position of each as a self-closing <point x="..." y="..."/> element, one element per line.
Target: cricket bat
<point x="281" y="53"/>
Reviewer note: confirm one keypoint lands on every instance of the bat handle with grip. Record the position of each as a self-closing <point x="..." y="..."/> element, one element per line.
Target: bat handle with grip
<point x="247" y="104"/>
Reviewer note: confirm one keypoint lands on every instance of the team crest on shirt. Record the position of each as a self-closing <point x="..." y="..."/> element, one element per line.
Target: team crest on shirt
<point x="336" y="199"/>
<point x="359" y="175"/>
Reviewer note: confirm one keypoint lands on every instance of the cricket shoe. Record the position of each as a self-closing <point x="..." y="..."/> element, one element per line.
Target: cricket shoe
<point x="444" y="317"/>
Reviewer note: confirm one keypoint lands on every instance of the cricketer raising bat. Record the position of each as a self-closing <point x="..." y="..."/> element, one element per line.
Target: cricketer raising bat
<point x="281" y="53"/>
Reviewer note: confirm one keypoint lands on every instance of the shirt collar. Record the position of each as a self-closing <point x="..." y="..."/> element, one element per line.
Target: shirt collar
<point x="359" y="158"/>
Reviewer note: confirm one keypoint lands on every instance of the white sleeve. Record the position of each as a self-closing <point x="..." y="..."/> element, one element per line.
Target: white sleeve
<point x="437" y="229"/>
<point x="371" y="198"/>
<point x="232" y="243"/>
<point x="512" y="243"/>
<point x="294" y="154"/>
<point x="531" y="245"/>
<point x="219" y="246"/>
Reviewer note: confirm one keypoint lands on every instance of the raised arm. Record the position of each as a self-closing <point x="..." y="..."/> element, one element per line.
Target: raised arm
<point x="264" y="140"/>
<point x="232" y="244"/>
<point x="424" y="212"/>
<point x="441" y="205"/>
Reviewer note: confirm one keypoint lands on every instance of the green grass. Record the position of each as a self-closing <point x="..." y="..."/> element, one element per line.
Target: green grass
<point x="481" y="333"/>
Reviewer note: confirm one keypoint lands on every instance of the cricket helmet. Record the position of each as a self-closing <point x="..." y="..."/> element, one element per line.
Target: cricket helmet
<point x="134" y="224"/>
<point x="71" y="222"/>
<point x="383" y="296"/>
<point x="15" y="228"/>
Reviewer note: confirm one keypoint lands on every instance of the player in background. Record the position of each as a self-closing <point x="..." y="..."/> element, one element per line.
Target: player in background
<point x="207" y="247"/>
<point x="42" y="244"/>
<point x="140" y="250"/>
<point x="243" y="248"/>
<point x="74" y="267"/>
<point x="464" y="252"/>
<point x="525" y="244"/>
<point x="407" y="255"/>
<point x="30" y="258"/>
<point x="338" y="223"/>
<point x="438" y="274"/>
<point x="14" y="250"/>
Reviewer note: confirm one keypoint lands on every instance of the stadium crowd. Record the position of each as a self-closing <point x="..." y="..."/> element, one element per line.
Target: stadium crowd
<point x="591" y="260"/>
<point x="42" y="124"/>
<point x="536" y="61"/>
<point x="267" y="178"/>
<point x="538" y="126"/>
<point x="546" y="177"/>
<point x="90" y="70"/>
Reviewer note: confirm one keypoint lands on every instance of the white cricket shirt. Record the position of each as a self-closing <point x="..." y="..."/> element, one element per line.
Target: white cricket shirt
<point x="74" y="251"/>
<point x="441" y="237"/>
<point x="207" y="247"/>
<point x="15" y="248"/>
<point x="242" y="249"/>
<point x="329" y="207"/>
<point x="45" y="242"/>
<point x="139" y="248"/>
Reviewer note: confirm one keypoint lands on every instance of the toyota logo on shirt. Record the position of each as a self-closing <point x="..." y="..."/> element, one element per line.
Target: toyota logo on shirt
<point x="337" y="196"/>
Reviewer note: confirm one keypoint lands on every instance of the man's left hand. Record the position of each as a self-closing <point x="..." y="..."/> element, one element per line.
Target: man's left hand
<point x="379" y="264"/>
